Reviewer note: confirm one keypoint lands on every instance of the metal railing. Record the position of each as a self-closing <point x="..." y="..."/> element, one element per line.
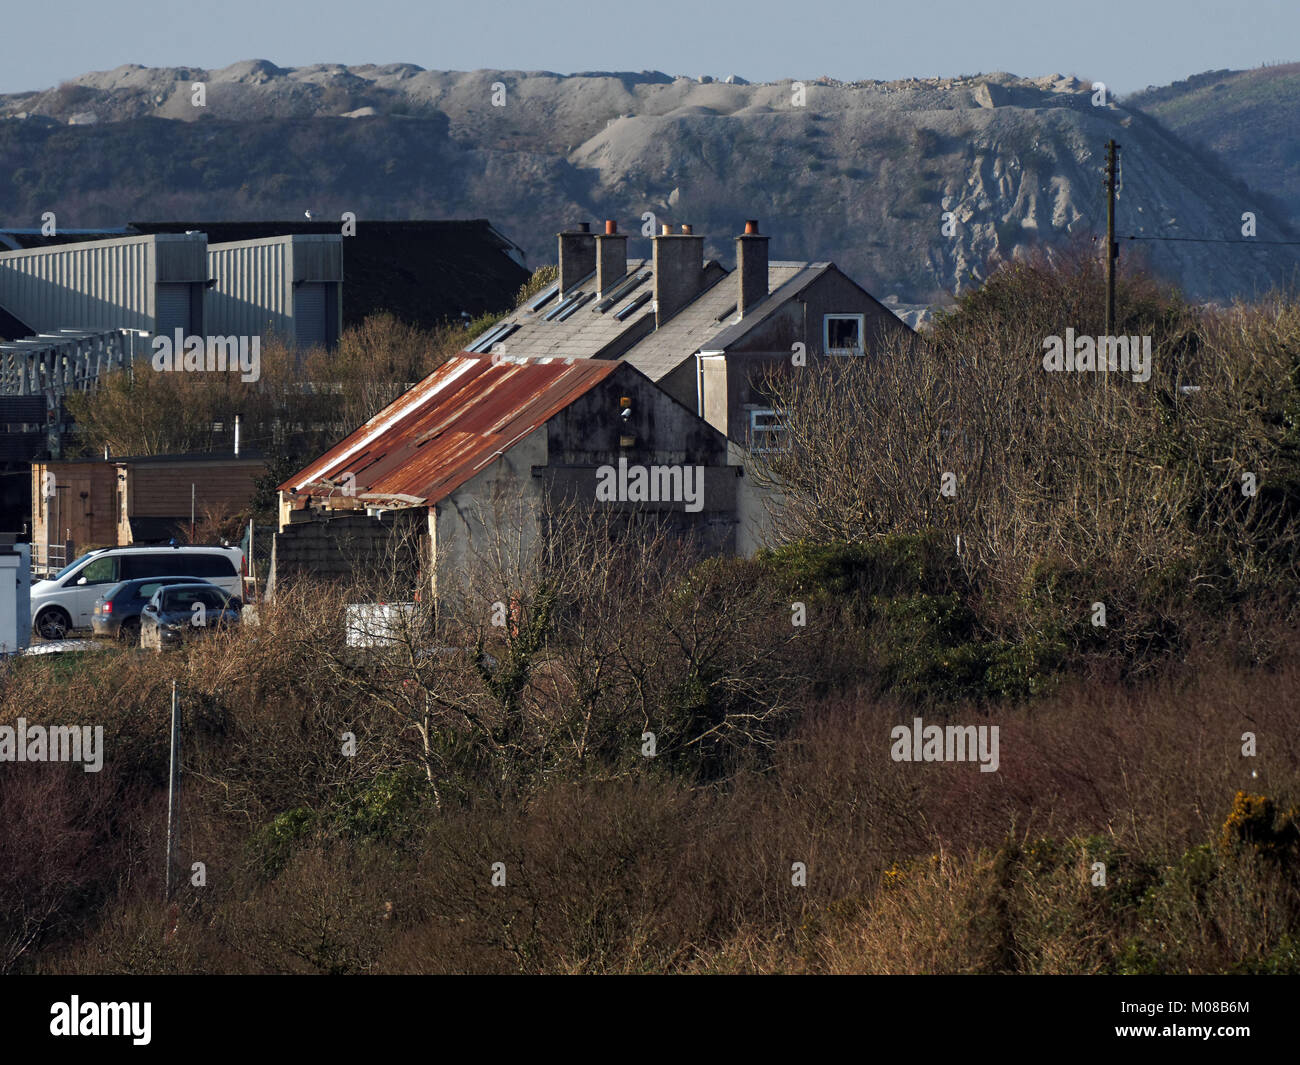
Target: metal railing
<point x="48" y="559"/>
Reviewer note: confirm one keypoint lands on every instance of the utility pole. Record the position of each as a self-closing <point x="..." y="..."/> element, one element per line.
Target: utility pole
<point x="173" y="788"/>
<point x="1112" y="249"/>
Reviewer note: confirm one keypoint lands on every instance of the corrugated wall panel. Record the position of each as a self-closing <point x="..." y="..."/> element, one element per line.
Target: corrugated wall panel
<point x="181" y="258"/>
<point x="309" y="314"/>
<point x="105" y="284"/>
<point x="252" y="295"/>
<point x="172" y="310"/>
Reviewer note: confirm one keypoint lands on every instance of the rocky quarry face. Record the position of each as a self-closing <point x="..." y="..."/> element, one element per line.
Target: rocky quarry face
<point x="913" y="187"/>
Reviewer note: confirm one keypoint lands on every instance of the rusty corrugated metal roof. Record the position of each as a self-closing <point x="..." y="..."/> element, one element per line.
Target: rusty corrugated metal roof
<point x="431" y="440"/>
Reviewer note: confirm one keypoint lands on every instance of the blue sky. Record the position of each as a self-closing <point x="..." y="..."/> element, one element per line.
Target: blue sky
<point x="1129" y="45"/>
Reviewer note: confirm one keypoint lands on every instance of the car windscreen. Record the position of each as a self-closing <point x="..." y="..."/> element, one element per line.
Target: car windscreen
<point x="176" y="600"/>
<point x="145" y="589"/>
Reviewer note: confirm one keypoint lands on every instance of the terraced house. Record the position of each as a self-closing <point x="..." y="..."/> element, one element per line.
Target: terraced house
<point x="633" y="382"/>
<point x="704" y="334"/>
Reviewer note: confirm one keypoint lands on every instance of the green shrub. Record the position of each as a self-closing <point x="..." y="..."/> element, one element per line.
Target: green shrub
<point x="273" y="844"/>
<point x="888" y="566"/>
<point x="930" y="651"/>
<point x="386" y="808"/>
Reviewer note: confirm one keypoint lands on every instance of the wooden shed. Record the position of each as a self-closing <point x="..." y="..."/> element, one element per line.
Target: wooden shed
<point x="146" y="499"/>
<point x="154" y="493"/>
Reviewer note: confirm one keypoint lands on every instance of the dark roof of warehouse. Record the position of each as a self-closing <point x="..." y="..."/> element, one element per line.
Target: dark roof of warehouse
<point x="425" y="272"/>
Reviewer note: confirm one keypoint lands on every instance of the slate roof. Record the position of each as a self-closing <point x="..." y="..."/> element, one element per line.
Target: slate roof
<point x="436" y="436"/>
<point x="698" y="326"/>
<point x="625" y="329"/>
<point x="584" y="333"/>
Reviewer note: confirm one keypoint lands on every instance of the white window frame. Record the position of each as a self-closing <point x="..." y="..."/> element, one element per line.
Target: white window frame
<point x="766" y="432"/>
<point x="861" y="319"/>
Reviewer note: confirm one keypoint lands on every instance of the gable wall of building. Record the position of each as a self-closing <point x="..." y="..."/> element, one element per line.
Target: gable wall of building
<point x="769" y="347"/>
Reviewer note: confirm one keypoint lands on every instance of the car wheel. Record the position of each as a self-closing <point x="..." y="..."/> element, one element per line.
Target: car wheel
<point x="53" y="624"/>
<point x="129" y="633"/>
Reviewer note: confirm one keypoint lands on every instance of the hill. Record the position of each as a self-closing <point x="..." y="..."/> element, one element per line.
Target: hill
<point x="861" y="173"/>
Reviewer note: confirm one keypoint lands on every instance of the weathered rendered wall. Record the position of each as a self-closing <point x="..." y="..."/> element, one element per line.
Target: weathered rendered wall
<point x="500" y="503"/>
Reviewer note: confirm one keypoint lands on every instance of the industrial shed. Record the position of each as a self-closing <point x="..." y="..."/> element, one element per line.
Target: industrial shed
<point x="152" y="283"/>
<point x="426" y="272"/>
<point x="288" y="286"/>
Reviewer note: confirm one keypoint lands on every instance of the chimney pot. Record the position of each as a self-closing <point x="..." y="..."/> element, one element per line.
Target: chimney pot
<point x="577" y="256"/>
<point x="751" y="268"/>
<point x="611" y="258"/>
<point x="665" y="229"/>
<point x="678" y="271"/>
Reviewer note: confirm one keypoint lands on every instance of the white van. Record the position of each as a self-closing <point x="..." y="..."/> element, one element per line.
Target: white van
<point x="66" y="600"/>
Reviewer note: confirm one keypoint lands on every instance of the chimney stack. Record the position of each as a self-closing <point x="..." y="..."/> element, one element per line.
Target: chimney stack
<point x="611" y="258"/>
<point x="678" y="269"/>
<point x="751" y="268"/>
<point x="577" y="256"/>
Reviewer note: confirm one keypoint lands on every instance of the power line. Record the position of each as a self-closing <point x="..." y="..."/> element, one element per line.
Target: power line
<point x="1218" y="240"/>
<point x="1149" y="194"/>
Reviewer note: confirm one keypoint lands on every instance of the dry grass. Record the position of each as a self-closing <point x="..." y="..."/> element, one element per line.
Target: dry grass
<point x="911" y="868"/>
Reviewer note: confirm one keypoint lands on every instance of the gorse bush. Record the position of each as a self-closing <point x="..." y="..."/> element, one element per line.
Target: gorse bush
<point x="905" y="604"/>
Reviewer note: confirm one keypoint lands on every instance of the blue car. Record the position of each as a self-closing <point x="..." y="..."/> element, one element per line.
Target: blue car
<point x="117" y="611"/>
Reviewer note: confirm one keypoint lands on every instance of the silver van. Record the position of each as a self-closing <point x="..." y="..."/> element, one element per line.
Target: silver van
<point x="66" y="600"/>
